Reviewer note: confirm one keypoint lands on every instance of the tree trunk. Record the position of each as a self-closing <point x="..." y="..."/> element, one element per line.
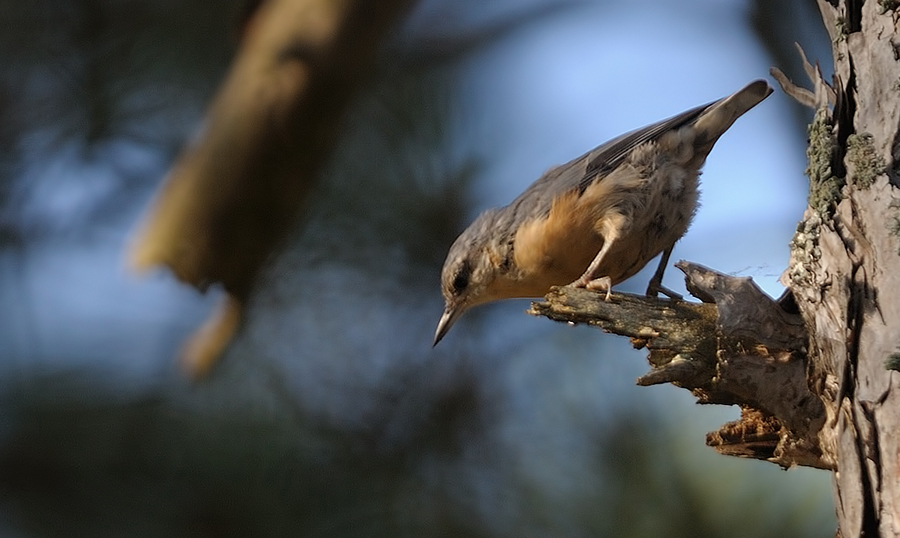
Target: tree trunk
<point x="845" y="266"/>
<point x="813" y="372"/>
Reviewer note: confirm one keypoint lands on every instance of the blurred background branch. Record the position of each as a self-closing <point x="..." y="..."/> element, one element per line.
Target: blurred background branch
<point x="234" y="193"/>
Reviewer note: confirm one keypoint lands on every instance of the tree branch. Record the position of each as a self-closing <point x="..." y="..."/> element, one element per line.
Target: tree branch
<point x="738" y="347"/>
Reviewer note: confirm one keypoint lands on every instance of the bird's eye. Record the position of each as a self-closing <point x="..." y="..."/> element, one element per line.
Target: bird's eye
<point x="461" y="280"/>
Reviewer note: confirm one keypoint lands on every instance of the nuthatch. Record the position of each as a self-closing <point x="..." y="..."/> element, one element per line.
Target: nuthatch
<point x="602" y="216"/>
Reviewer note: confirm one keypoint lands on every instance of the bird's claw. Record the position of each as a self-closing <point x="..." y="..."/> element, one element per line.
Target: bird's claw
<point x="597" y="284"/>
<point x="653" y="290"/>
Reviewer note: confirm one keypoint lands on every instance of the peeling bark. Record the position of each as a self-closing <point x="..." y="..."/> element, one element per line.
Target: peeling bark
<point x="739" y="347"/>
<point x="847" y="299"/>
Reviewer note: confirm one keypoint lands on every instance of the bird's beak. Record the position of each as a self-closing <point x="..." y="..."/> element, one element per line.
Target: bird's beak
<point x="451" y="314"/>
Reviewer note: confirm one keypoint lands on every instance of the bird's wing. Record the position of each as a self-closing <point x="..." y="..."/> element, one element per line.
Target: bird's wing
<point x="584" y="170"/>
<point x="605" y="158"/>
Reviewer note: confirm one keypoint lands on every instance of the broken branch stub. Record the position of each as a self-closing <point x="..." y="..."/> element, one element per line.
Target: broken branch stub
<point x="738" y="348"/>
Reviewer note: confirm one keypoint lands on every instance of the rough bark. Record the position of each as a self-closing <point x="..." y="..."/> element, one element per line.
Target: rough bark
<point x="738" y="348"/>
<point x="845" y="266"/>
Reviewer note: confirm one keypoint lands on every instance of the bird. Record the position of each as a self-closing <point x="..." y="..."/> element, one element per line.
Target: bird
<point x="596" y="220"/>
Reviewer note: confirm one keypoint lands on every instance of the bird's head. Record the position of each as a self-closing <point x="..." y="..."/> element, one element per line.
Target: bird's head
<point x="471" y="271"/>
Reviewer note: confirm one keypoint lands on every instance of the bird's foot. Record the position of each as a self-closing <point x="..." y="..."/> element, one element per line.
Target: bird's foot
<point x="655" y="288"/>
<point x="596" y="284"/>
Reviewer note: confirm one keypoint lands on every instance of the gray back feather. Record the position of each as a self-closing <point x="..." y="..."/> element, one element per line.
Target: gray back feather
<point x="579" y="173"/>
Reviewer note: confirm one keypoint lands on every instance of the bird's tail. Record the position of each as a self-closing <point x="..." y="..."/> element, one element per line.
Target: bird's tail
<point x="719" y="116"/>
